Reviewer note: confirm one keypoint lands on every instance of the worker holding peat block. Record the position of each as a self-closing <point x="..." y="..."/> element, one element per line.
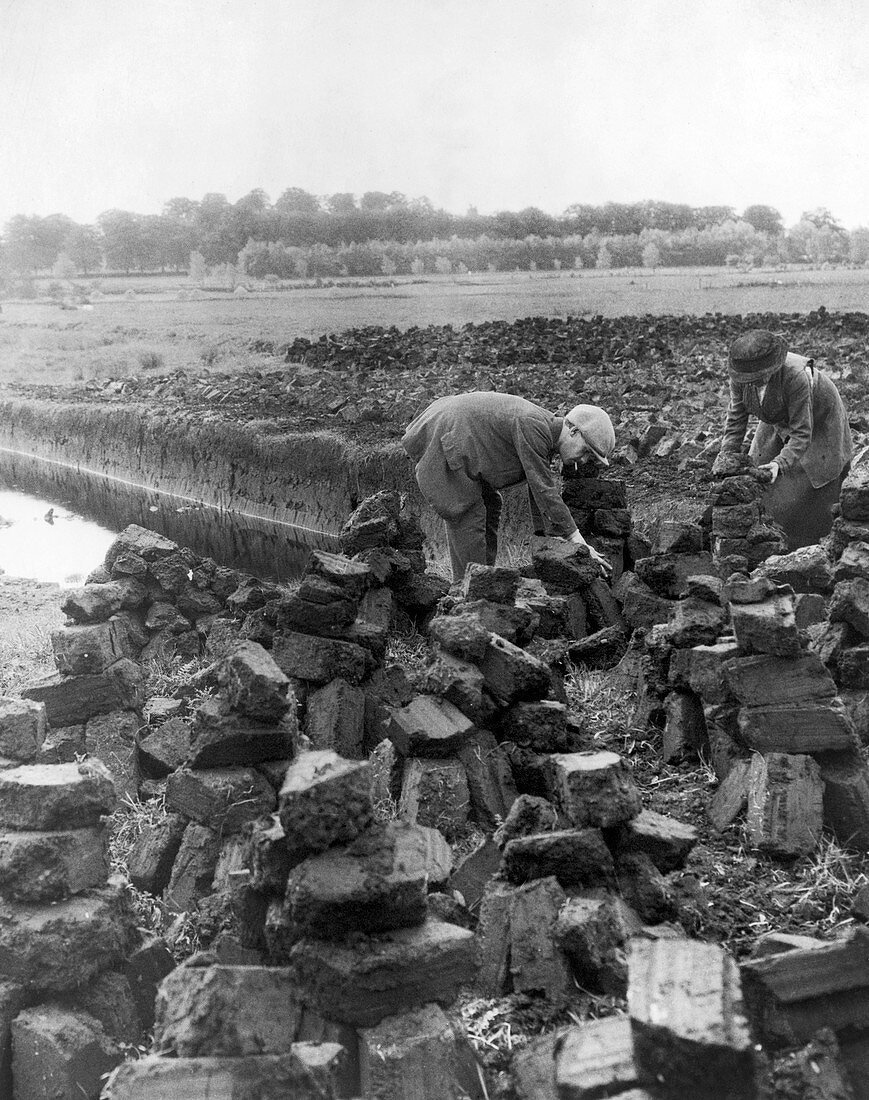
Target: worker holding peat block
<point x="803" y="438"/>
<point x="468" y="446"/>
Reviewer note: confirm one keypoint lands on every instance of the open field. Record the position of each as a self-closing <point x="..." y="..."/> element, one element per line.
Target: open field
<point x="119" y="336"/>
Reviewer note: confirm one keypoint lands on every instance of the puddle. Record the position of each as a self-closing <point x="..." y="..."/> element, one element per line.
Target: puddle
<point x="88" y="510"/>
<point x="48" y="542"/>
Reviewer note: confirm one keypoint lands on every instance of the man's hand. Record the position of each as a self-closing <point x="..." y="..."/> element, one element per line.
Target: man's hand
<point x="603" y="562"/>
<point x="773" y="468"/>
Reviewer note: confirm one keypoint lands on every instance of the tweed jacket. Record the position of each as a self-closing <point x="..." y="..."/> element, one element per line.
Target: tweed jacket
<point x="497" y="438"/>
<point x="802" y="421"/>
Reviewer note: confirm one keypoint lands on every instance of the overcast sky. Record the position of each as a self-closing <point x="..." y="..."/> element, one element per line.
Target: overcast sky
<point x="501" y="104"/>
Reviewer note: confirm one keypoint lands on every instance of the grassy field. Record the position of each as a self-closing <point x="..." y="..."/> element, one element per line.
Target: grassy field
<point x="156" y="331"/>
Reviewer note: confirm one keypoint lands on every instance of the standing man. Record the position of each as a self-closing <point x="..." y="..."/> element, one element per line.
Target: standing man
<point x="469" y="446"/>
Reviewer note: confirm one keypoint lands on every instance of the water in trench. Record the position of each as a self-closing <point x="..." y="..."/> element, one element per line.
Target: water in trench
<point x="57" y="523"/>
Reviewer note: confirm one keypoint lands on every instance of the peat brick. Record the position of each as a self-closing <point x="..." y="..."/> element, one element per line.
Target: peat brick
<point x="684" y="726"/>
<point x="462" y="636"/>
<point x="361" y="981"/>
<point x="790" y="995"/>
<point x="153" y="854"/>
<point x="846" y="798"/>
<point x="415" y="1056"/>
<point x="324" y="800"/>
<point x="706" y="671"/>
<point x="111" y="738"/>
<point x="489" y="776"/>
<point x="785" y="804"/>
<point x="460" y="683"/>
<point x="689" y="1030"/>
<point x="165" y="748"/>
<point x="72" y="700"/>
<point x="221" y="740"/>
<point x="591" y="933"/>
<point x="537" y="964"/>
<point x="667" y="574"/>
<point x="731" y="796"/>
<point x="193" y="869"/>
<point x="55" y="948"/>
<point x="376" y="884"/>
<point x="596" y="1059"/>
<point x="55" y="796"/>
<point x="767" y="627"/>
<point x="80" y="650"/>
<point x="253" y="684"/>
<point x="562" y="566"/>
<point x="765" y="680"/>
<point x="49" y="866"/>
<point x="594" y="788"/>
<point x="23" y="728"/>
<point x="576" y="857"/>
<point x="321" y="659"/>
<point x="510" y="674"/>
<point x="435" y="793"/>
<point x="260" y="1077"/>
<point x="334" y="718"/>
<point x="854" y="496"/>
<point x="805" y="728"/>
<point x="59" y="1052"/>
<point x="428" y="726"/>
<point x="223" y="798"/>
<point x="850" y="604"/>
<point x="528" y="816"/>
<point x="490" y="582"/>
<point x="807" y="569"/>
<point x="665" y="840"/>
<point x="226" y="1011"/>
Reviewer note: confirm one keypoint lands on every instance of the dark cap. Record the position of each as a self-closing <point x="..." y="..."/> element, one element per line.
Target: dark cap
<point x="755" y="356"/>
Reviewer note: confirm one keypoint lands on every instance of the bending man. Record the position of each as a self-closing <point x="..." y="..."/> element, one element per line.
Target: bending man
<point x="803" y="437"/>
<point x="469" y="446"/>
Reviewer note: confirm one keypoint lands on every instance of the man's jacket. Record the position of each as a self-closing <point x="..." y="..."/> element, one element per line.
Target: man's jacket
<point x="497" y="438"/>
<point x="802" y="421"/>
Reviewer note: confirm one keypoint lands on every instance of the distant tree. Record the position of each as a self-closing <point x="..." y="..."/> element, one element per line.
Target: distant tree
<point x="604" y="257"/>
<point x="651" y="255"/>
<point x="297" y="201"/>
<point x="858" y="249"/>
<point x="122" y="239"/>
<point x="341" y="203"/>
<point x="707" y="216"/>
<point x="184" y="210"/>
<point x="821" y="218"/>
<point x="379" y="202"/>
<point x="21" y="244"/>
<point x="63" y="267"/>
<point x="254" y="202"/>
<point x="764" y="218"/>
<point x="198" y="269"/>
<point x="83" y="245"/>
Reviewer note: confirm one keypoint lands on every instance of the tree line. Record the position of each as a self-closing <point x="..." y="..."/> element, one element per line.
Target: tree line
<point x="302" y="235"/>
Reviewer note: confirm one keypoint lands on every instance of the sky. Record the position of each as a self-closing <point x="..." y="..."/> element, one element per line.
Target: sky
<point x="499" y="104"/>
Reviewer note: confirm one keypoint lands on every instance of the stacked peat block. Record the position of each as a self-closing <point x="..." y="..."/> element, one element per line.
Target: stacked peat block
<point x="579" y="873"/>
<point x="600" y="510"/>
<point x="151" y="599"/>
<point x="842" y="642"/>
<point x="780" y="738"/>
<point x="76" y="981"/>
<point x="808" y="1005"/>
<point x="236" y="748"/>
<point x="229" y="1031"/>
<point x="685" y="1034"/>
<point x="341" y="902"/>
<point x="672" y="601"/>
<point x="743" y="535"/>
<point x="384" y="533"/>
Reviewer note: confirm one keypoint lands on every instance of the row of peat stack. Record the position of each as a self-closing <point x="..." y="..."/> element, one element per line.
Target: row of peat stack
<point x="792" y="1021"/>
<point x="77" y="979"/>
<point x="348" y="1003"/>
